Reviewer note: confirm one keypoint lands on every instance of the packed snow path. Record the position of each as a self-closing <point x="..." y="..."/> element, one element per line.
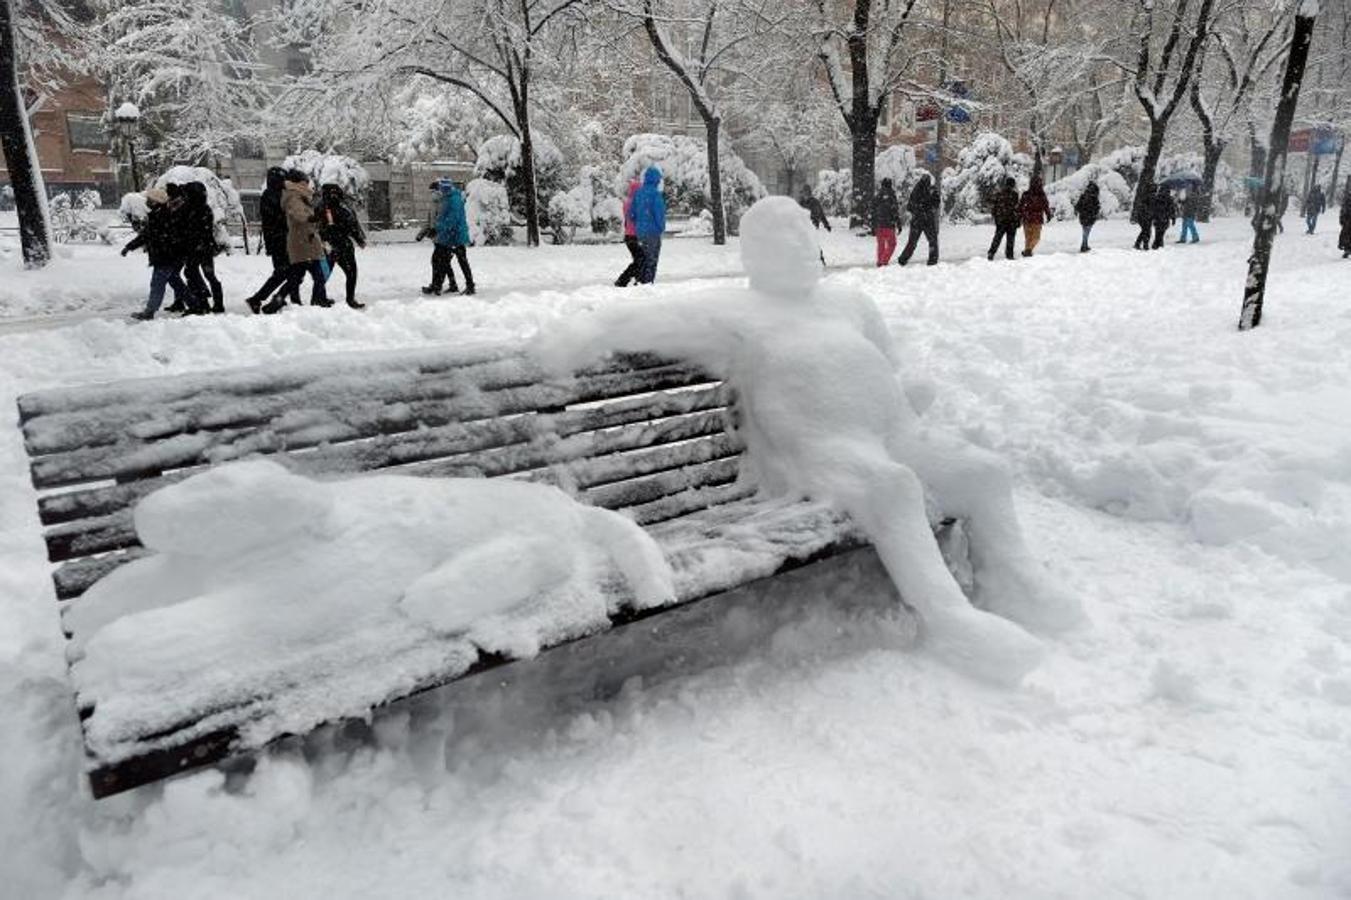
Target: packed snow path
<point x="1190" y="484"/>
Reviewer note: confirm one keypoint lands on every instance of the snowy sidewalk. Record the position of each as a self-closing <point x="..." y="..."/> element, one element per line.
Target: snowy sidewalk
<point x="1191" y="484"/>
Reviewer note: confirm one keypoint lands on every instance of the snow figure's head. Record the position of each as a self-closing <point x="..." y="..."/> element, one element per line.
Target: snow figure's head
<point x="778" y="248"/>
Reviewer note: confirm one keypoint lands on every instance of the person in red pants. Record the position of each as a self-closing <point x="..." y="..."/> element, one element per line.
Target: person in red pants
<point x="886" y="216"/>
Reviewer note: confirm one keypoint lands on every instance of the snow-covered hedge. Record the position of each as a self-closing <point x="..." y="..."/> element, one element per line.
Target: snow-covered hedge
<point x="332" y="168"/>
<point x="981" y="167"/>
<point x="499" y="160"/>
<point x="489" y="212"/>
<point x="1114" y="193"/>
<point x="684" y="167"/>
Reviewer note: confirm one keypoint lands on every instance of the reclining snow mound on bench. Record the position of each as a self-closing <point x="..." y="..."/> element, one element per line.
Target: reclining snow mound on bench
<point x="644" y="435"/>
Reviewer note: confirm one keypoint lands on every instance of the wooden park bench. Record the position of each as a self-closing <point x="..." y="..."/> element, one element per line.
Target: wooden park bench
<point x="647" y="436"/>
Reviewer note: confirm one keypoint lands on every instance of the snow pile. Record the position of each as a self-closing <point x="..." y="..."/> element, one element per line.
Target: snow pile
<point x="488" y="211"/>
<point x="683" y="162"/>
<point x="825" y="416"/>
<point x="981" y="168"/>
<point x="1114" y="194"/>
<point x="332" y="168"/>
<point x="273" y="580"/>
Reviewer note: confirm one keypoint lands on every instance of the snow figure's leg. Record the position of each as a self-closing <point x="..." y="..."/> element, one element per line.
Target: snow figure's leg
<point x="486" y="579"/>
<point x="887" y="501"/>
<point x="635" y="554"/>
<point x="973" y="485"/>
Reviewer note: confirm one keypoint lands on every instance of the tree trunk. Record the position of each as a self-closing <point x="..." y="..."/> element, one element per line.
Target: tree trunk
<point x="1255" y="288"/>
<point x="528" y="176"/>
<point x="16" y="141"/>
<point x="712" y="128"/>
<point x="863" y="169"/>
<point x="1213" y="151"/>
<point x="1144" y="188"/>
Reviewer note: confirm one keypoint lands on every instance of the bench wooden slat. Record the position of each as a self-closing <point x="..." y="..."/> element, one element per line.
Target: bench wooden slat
<point x="142" y="459"/>
<point x="422" y="444"/>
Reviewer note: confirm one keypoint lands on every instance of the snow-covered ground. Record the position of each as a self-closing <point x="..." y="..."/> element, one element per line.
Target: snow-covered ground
<point x="1192" y="485"/>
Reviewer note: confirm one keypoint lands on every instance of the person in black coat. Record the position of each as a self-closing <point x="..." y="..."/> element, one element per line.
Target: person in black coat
<point x="886" y="216"/>
<point x="923" y="209"/>
<point x="340" y="229"/>
<point x="199" y="235"/>
<point x="1089" y="209"/>
<point x="1344" y="238"/>
<point x="1314" y="205"/>
<point x="160" y="238"/>
<point x="1162" y="213"/>
<point x="1004" y="207"/>
<point x="807" y="200"/>
<point x="273" y="221"/>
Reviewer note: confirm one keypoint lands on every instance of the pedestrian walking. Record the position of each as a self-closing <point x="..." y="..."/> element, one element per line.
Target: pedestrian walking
<point x="273" y="222"/>
<point x="922" y="206"/>
<point x="199" y="235"/>
<point x="450" y="234"/>
<point x="1192" y="204"/>
<point x="1314" y="205"/>
<point x="1034" y="210"/>
<point x="1282" y="205"/>
<point x="179" y="223"/>
<point x="1088" y="208"/>
<point x="635" y="266"/>
<point x="304" y="247"/>
<point x="807" y="200"/>
<point x="649" y="222"/>
<point x="886" y="216"/>
<point x="1344" y="238"/>
<point x="1004" y="207"/>
<point x="340" y="229"/>
<point x="161" y="242"/>
<point x="1163" y="214"/>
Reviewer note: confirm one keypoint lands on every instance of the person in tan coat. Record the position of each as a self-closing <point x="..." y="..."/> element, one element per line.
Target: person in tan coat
<point x="304" y="247"/>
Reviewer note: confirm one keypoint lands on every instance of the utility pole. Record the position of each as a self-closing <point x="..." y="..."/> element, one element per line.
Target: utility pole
<point x="1258" y="264"/>
<point x="941" y="131"/>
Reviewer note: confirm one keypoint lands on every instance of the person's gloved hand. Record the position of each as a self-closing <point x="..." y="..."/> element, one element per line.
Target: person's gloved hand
<point x="124" y="251"/>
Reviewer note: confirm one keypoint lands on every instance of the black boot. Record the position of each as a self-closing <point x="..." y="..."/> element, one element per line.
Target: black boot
<point x="255" y="305"/>
<point x="351" y="301"/>
<point x="431" y="291"/>
<point x="276" y="305"/>
<point x="469" y="290"/>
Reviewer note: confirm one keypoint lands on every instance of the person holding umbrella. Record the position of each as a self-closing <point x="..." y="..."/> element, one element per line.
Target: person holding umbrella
<point x="1191" y="209"/>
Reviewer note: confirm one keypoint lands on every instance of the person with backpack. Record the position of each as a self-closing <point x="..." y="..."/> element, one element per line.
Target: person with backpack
<point x="1191" y="211"/>
<point x="304" y="247"/>
<point x="649" y="222"/>
<point x="340" y="229"/>
<point x="635" y="266"/>
<point x="161" y="242"/>
<point x="1089" y="209"/>
<point x="199" y="236"/>
<point x="1004" y="208"/>
<point x="922" y="205"/>
<point x="1314" y="205"/>
<point x="273" y="222"/>
<point x="450" y="235"/>
<point x="886" y="216"/>
<point x="1344" y="238"/>
<point x="1034" y="210"/>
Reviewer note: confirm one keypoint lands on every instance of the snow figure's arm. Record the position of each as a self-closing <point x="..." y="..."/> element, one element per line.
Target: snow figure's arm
<point x="702" y="330"/>
<point x="636" y="555"/>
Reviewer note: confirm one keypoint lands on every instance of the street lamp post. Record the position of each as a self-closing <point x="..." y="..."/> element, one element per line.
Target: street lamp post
<point x="127" y="121"/>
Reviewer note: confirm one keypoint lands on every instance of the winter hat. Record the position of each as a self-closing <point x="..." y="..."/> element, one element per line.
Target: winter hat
<point x="157" y="195"/>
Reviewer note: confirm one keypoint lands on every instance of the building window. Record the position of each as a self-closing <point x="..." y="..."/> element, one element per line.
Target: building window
<point x="87" y="132"/>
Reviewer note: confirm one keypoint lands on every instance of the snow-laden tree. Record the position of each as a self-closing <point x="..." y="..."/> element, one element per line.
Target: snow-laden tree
<point x="835" y="189"/>
<point x="1160" y="51"/>
<point x="795" y="124"/>
<point x="434" y="122"/>
<point x="332" y="168"/>
<point x="982" y="166"/>
<point x="866" y="50"/>
<point x="713" y="48"/>
<point x="488" y="211"/>
<point x="501" y="159"/>
<point x="1114" y="192"/>
<point x="191" y="68"/>
<point x="1236" y="65"/>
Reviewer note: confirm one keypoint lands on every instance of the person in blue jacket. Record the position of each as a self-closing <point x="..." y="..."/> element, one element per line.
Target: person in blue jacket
<point x="451" y="233"/>
<point x="649" y="222"/>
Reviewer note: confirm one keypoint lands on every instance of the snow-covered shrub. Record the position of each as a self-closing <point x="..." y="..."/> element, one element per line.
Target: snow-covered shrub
<point x="1114" y="194"/>
<point x="896" y="163"/>
<point x="74" y="217"/>
<point x="489" y="212"/>
<point x="433" y="122"/>
<point x="587" y="205"/>
<point x="1126" y="162"/>
<point x="332" y="168"/>
<point x="834" y="188"/>
<point x="499" y="159"/>
<point x="134" y="209"/>
<point x="221" y="195"/>
<point x="981" y="168"/>
<point x="684" y="167"/>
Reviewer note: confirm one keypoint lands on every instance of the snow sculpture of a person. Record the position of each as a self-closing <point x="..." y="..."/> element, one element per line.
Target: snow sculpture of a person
<point x="824" y="415"/>
<point x="253" y="562"/>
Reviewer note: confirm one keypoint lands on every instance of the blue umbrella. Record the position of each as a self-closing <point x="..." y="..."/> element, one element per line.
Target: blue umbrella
<point x="1180" y="180"/>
